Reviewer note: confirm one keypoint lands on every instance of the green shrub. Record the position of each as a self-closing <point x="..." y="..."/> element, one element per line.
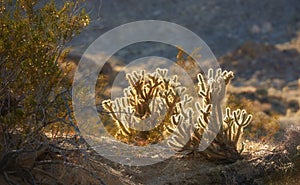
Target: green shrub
<point x="33" y="92"/>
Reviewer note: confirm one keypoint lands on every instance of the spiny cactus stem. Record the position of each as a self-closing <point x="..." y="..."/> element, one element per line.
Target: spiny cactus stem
<point x="220" y="118"/>
<point x="108" y="105"/>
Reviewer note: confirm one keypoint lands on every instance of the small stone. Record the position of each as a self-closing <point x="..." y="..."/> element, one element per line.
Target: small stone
<point x="266" y="27"/>
<point x="255" y="29"/>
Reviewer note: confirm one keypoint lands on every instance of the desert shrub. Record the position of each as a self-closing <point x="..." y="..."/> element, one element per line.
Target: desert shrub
<point x="264" y="127"/>
<point x="33" y="93"/>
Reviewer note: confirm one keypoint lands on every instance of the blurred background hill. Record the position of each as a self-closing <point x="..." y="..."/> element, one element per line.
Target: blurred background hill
<point x="223" y="25"/>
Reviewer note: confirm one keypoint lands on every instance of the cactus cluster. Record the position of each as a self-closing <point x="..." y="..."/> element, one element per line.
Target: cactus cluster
<point x="210" y="121"/>
<point x="156" y="106"/>
<point x="146" y="110"/>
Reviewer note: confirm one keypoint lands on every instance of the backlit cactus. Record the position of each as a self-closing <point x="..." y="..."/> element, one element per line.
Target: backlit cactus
<point x="154" y="105"/>
<point x="226" y="129"/>
<point x="148" y="104"/>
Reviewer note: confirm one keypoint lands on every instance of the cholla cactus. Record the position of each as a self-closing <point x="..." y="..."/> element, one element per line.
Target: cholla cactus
<point x="211" y="123"/>
<point x="154" y="106"/>
<point x="145" y="112"/>
<point x="181" y="140"/>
